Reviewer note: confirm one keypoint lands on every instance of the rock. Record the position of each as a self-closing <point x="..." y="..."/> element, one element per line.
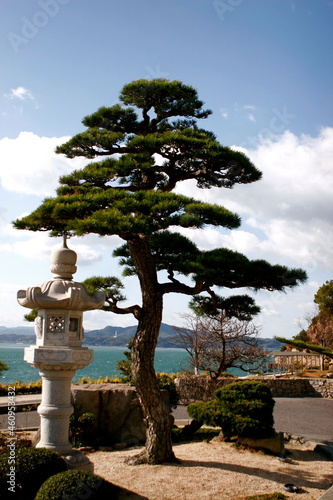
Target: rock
<point x="274" y="444"/>
<point x="119" y="417"/>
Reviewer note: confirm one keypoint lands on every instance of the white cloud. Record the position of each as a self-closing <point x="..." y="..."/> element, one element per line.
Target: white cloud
<point x="38" y="246"/>
<point x="209" y="238"/>
<point x="290" y="208"/>
<point x="251" y="117"/>
<point x="224" y="113"/>
<point x="28" y="164"/>
<point x="297" y="177"/>
<point x="11" y="313"/>
<point x="20" y="93"/>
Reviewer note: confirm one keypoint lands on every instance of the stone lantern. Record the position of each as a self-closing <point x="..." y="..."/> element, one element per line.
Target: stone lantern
<point x="58" y="352"/>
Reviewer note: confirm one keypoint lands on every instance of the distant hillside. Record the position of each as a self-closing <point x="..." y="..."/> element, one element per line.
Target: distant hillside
<point x="17" y="330"/>
<point x="17" y="335"/>
<point x="118" y="336"/>
<point x="110" y="336"/>
<point x="270" y="344"/>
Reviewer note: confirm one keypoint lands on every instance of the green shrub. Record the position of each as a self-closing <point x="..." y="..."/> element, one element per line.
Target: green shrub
<point x="3" y="367"/>
<point x="32" y="467"/>
<point x="166" y="381"/>
<point x="75" y="484"/>
<point x="206" y="412"/>
<point x="21" y="388"/>
<point x="125" y="366"/>
<point x="240" y="409"/>
<point x="99" y="380"/>
<point x="80" y="429"/>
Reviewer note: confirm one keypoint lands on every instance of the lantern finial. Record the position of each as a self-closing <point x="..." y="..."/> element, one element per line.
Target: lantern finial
<point x="63" y="262"/>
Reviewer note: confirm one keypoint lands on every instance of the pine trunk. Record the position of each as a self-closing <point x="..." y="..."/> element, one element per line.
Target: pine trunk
<point x="158" y="441"/>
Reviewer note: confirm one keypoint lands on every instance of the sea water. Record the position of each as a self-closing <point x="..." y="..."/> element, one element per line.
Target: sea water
<point x="106" y="358"/>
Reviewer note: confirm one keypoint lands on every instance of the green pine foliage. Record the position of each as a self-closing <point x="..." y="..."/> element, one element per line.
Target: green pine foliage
<point x="300" y="345"/>
<point x="242" y="409"/>
<point x="125" y="366"/>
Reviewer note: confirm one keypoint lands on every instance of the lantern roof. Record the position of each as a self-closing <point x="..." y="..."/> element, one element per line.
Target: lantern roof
<point x="61" y="292"/>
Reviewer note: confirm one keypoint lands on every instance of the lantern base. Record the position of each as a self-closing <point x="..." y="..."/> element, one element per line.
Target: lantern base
<point x="76" y="459"/>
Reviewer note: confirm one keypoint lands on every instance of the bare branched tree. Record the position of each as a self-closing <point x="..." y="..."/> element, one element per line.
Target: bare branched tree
<point x="192" y="340"/>
<point x="216" y="343"/>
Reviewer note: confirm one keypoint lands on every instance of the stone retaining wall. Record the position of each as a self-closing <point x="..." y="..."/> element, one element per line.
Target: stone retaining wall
<point x="299" y="387"/>
<point x="201" y="388"/>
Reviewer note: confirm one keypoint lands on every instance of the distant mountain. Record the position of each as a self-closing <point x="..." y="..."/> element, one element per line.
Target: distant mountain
<point x="11" y="338"/>
<point x="17" y="335"/>
<point x="17" y="330"/>
<point x="118" y="336"/>
<point x="270" y="344"/>
<point x="110" y="336"/>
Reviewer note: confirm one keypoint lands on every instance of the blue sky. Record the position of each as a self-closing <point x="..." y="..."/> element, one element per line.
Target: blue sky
<point x="263" y="67"/>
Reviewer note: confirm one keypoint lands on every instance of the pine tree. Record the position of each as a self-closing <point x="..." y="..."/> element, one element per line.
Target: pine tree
<point x="144" y="147"/>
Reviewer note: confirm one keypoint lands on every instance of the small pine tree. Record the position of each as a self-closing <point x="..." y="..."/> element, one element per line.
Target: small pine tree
<point x="243" y="409"/>
<point x="125" y="365"/>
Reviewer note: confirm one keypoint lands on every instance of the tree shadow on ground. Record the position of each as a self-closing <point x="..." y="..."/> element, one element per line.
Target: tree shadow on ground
<point x="304" y="455"/>
<point x="294" y="474"/>
<point x="124" y="494"/>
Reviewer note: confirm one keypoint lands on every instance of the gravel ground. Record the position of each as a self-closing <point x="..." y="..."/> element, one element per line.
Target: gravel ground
<point x="218" y="471"/>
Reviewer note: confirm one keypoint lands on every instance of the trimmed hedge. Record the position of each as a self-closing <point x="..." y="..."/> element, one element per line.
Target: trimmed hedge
<point x="74" y="484"/>
<point x="33" y="466"/>
<point x="241" y="409"/>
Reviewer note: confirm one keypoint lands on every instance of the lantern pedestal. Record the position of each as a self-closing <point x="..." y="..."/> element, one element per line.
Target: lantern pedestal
<point x="57" y="367"/>
<point x="58" y="352"/>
